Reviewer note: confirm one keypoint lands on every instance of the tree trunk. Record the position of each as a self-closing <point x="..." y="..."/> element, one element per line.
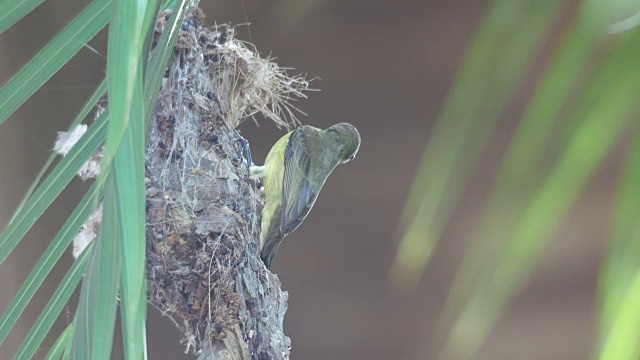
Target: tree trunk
<point x="203" y="213"/>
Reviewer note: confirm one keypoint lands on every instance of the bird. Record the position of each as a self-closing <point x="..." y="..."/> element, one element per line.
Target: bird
<point x="293" y="174"/>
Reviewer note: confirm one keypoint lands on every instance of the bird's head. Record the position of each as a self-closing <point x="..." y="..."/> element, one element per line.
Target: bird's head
<point x="348" y="140"/>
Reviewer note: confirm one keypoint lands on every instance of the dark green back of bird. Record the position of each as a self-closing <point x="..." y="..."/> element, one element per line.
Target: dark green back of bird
<point x="309" y="158"/>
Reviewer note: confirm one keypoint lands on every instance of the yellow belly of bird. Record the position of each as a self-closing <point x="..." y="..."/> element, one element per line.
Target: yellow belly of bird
<point x="272" y="180"/>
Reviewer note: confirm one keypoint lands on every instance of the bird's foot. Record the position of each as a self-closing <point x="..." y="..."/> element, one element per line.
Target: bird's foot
<point x="256" y="172"/>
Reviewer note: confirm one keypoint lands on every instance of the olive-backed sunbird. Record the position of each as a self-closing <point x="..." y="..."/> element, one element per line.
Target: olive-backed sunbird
<point x="293" y="173"/>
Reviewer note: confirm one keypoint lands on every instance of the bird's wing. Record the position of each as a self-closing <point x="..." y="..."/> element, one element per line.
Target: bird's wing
<point x="299" y="192"/>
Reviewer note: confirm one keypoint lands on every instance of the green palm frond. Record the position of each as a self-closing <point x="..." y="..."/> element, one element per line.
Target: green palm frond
<point x="590" y="102"/>
<point x="465" y="124"/>
<point x="113" y="265"/>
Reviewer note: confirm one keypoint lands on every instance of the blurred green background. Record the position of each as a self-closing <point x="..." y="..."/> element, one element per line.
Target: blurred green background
<point x="493" y="211"/>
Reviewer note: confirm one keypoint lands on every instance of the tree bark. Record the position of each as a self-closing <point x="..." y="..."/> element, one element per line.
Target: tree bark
<point x="203" y="213"/>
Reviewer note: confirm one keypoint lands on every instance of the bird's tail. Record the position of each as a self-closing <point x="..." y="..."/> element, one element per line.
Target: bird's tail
<point x="269" y="250"/>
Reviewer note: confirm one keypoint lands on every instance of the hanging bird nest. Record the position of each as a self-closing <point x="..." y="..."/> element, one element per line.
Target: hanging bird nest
<point x="203" y="213"/>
